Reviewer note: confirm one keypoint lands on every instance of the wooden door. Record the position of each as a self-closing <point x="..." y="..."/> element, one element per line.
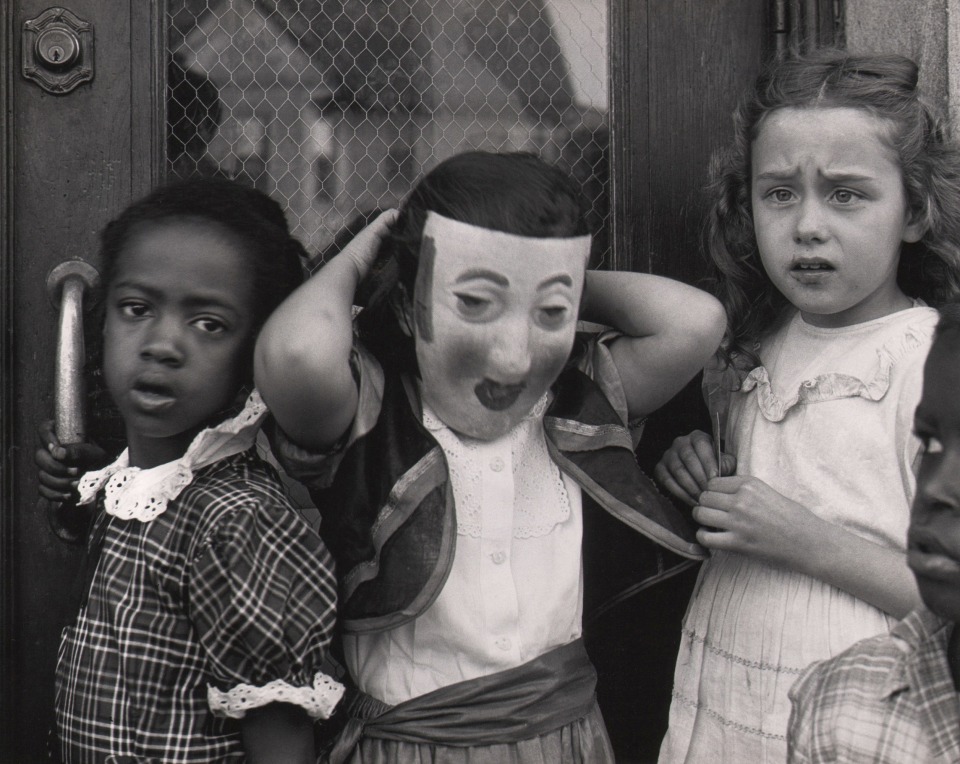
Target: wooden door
<point x="71" y="161"/>
<point x="679" y="67"/>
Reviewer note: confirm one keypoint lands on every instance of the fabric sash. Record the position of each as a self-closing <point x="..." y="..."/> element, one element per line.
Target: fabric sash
<point x="533" y="699"/>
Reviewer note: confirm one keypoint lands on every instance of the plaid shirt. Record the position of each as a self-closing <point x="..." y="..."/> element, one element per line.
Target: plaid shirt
<point x="228" y="586"/>
<point x="889" y="699"/>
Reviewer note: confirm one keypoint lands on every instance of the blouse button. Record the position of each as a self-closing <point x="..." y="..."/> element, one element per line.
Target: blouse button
<point x="504" y="644"/>
<point x="496" y="464"/>
<point x="498" y="557"/>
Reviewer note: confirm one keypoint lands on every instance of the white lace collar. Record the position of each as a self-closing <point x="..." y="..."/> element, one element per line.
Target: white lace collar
<point x="131" y="493"/>
<point x="540" y="498"/>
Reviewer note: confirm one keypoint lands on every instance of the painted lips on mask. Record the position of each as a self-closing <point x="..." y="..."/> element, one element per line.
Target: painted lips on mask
<point x="498" y="397"/>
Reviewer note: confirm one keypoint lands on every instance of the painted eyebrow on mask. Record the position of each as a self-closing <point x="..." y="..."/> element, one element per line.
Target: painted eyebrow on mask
<point x="483" y="273"/>
<point x="500" y="280"/>
<point x="561" y="278"/>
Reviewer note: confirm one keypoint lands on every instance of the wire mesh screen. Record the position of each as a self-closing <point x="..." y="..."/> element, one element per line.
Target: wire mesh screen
<point x="337" y="107"/>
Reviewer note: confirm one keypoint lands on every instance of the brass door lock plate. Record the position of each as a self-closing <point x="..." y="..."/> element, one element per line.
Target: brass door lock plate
<point x="57" y="50"/>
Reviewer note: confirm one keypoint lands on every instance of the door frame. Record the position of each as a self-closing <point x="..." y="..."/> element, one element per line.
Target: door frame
<point x="7" y="393"/>
<point x="636" y="182"/>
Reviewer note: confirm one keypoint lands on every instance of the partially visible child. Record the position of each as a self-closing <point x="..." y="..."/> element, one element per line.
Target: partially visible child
<point x="837" y="211"/>
<point x="209" y="603"/>
<point x="472" y="459"/>
<point x="894" y="698"/>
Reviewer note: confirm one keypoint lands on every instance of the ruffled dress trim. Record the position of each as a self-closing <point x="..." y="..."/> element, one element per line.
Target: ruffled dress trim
<point x="318" y="701"/>
<point x="131" y="493"/>
<point x="873" y="385"/>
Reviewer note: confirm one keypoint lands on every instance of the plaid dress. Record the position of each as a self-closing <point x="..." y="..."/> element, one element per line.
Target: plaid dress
<point x="227" y="587"/>
<point x="886" y="700"/>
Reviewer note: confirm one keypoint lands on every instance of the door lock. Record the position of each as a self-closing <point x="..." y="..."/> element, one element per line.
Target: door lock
<point x="57" y="50"/>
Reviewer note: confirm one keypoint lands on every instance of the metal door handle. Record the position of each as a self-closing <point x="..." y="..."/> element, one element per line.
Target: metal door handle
<point x="65" y="286"/>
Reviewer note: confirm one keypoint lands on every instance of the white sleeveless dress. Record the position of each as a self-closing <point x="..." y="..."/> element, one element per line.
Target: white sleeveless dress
<point x="827" y="421"/>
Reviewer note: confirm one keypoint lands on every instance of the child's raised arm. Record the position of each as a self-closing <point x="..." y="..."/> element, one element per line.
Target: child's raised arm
<point x="671" y="331"/>
<point x="302" y="359"/>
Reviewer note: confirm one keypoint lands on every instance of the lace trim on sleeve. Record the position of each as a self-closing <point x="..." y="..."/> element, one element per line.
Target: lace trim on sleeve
<point x="318" y="701"/>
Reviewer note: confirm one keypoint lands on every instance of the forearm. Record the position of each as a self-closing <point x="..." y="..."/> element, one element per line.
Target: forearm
<point x="876" y="574"/>
<point x="671" y="330"/>
<point x="278" y="734"/>
<point x="301" y="363"/>
<point x="743" y="514"/>
<point x="317" y="316"/>
<point x="641" y="305"/>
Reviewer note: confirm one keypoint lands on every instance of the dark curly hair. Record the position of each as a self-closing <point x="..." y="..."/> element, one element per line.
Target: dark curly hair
<point x="949" y="318"/>
<point x="254" y="220"/>
<point x="513" y="192"/>
<point x="882" y="85"/>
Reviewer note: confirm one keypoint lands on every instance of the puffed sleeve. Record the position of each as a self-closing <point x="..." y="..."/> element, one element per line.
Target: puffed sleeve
<point x="596" y="361"/>
<point x="263" y="603"/>
<point x="317" y="469"/>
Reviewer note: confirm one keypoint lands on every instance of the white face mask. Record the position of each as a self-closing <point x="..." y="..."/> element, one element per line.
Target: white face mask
<point x="494" y="321"/>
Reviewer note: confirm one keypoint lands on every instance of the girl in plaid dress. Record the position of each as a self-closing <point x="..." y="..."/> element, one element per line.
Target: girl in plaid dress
<point x="209" y="602"/>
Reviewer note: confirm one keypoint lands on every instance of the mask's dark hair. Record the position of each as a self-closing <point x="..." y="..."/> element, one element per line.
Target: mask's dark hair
<point x="884" y="86"/>
<point x="251" y="218"/>
<point x="516" y="193"/>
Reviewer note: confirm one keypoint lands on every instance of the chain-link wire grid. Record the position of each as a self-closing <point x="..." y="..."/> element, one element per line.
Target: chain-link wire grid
<point x="337" y="107"/>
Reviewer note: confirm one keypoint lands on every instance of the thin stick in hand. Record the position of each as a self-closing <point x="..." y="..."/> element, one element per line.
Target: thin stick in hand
<point x="716" y="439"/>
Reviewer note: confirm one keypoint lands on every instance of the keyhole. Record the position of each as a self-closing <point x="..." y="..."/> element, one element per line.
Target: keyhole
<point x="57" y="48"/>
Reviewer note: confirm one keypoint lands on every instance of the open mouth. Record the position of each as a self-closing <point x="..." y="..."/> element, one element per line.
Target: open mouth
<point x="152" y="397"/>
<point x="811" y="272"/>
<point x="496" y="396"/>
